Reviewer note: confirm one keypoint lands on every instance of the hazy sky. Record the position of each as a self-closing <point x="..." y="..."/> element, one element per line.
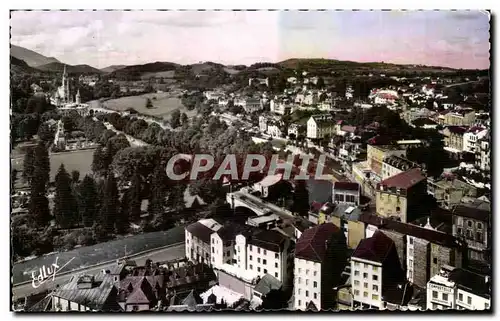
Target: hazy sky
<point x="103" y="38"/>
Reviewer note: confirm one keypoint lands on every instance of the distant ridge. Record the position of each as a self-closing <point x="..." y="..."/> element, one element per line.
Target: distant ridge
<point x="32" y="58"/>
<point x="113" y="68"/>
<point x="59" y="67"/>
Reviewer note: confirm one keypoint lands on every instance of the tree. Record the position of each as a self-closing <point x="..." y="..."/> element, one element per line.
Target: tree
<point x="88" y="205"/>
<point x="28" y="165"/>
<point x="122" y="223"/>
<point x="100" y="162"/>
<point x="175" y="118"/>
<point x="75" y="176"/>
<point x="157" y="201"/>
<point x="321" y="83"/>
<point x="110" y="205"/>
<point x="149" y="103"/>
<point x="274" y="300"/>
<point x="175" y="199"/>
<point x="301" y="198"/>
<point x="134" y="198"/>
<point x="45" y="133"/>
<point x="184" y="119"/>
<point x="39" y="205"/>
<point x="65" y="205"/>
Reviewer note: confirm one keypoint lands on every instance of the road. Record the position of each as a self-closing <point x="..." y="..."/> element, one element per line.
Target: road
<point x="166" y="254"/>
<point x="462" y="83"/>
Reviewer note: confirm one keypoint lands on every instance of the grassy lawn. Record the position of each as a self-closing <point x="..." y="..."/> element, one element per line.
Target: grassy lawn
<point x="163" y="105"/>
<point x="78" y="160"/>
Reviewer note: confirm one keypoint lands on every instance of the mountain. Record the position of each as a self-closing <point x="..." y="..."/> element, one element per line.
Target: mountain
<point x="112" y="68"/>
<point x="76" y="69"/>
<point x="33" y="59"/>
<point x="18" y="66"/>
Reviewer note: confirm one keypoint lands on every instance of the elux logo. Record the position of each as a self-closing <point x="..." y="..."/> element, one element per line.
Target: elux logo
<point x="46" y="273"/>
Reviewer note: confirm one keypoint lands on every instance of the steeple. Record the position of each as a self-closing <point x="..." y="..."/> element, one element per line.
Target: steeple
<point x="78" y="99"/>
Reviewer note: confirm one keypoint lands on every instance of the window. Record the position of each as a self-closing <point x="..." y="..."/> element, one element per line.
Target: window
<point x="356" y="292"/>
<point x="315" y="272"/>
<point x="300" y="291"/>
<point x="307" y="281"/>
<point x="307" y="294"/>
<point x="375" y="287"/>
<point x="356" y="263"/>
<point x="307" y="271"/>
<point x="365" y="265"/>
<point x="469" y="223"/>
<point x="276" y="274"/>
<point x="300" y="303"/>
<point x="316" y="296"/>
<point x="460" y="297"/>
<point x="265" y="252"/>
<point x="479" y="236"/>
<point x="365" y="275"/>
<point x="299" y="270"/>
<point x="365" y="285"/>
<point x="250" y="257"/>
<point x="445" y="296"/>
<point x="264" y="261"/>
<point x="213" y="258"/>
<point x="258" y="250"/>
<point x="265" y="270"/>
<point x="238" y="248"/>
<point x="469" y="300"/>
<point x="365" y="294"/>
<point x="315" y="284"/>
<point x="410" y="240"/>
<point x="228" y="253"/>
<point x="135" y="308"/>
<point x="213" y="250"/>
<point x="410" y="263"/>
<point x="375" y="268"/>
<point x="459" y="231"/>
<point x="258" y="269"/>
<point x="276" y="265"/>
<point x="486" y="306"/>
<point x="479" y="225"/>
<point x="258" y="260"/>
<point x="300" y="280"/>
<point x="356" y="282"/>
<point x="276" y="256"/>
<point x="251" y="267"/>
<point x="375" y="277"/>
<point x="435" y="260"/>
<point x="250" y="248"/>
<point x="434" y="294"/>
<point x="374" y="297"/>
<point x="356" y="273"/>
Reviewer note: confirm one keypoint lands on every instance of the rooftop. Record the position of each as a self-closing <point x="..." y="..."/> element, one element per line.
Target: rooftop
<point x="311" y="245"/>
<point x="349" y="186"/>
<point x="270" y="240"/>
<point x="479" y="210"/>
<point x="404" y="180"/>
<point x="267" y="284"/>
<point x="375" y="248"/>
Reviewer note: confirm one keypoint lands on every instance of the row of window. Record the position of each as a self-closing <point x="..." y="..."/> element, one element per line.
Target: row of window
<point x="470" y="235"/>
<point x="374" y="268"/>
<point x="347" y="198"/>
<point x="365" y="285"/>
<point x="315" y="284"/>
<point x="299" y="292"/>
<point x="365" y="295"/>
<point x="365" y="275"/>
<point x="307" y="271"/>
<point x="444" y="296"/>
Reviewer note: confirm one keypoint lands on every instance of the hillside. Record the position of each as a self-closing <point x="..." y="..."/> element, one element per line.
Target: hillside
<point x="112" y="68"/>
<point x="33" y="59"/>
<point x="77" y="69"/>
<point x="18" y="66"/>
<point x="340" y="65"/>
<point x="136" y="71"/>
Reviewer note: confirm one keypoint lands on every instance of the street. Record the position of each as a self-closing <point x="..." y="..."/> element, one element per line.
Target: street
<point x="167" y="254"/>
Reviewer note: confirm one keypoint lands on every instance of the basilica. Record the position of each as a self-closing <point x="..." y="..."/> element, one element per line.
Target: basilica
<point x="63" y="99"/>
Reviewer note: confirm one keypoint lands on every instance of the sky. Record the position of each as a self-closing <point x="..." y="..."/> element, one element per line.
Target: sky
<point x="458" y="39"/>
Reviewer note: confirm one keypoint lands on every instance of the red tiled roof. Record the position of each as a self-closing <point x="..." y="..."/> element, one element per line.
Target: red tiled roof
<point x="404" y="180"/>
<point x="375" y="248"/>
<point x="349" y="129"/>
<point x="316" y="206"/>
<point x="457" y="129"/>
<point x="142" y="294"/>
<point x="312" y="243"/>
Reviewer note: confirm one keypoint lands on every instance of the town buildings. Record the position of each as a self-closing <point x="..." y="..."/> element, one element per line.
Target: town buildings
<point x="393" y="165"/>
<point x="449" y="191"/>
<point x="319" y="126"/>
<point x="198" y="240"/>
<point x="460" y="289"/>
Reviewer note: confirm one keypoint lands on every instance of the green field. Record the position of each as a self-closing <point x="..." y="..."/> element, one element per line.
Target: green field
<point x="78" y="160"/>
<point x="163" y="105"/>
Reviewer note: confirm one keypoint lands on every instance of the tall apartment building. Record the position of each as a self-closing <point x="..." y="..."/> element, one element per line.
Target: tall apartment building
<point x="401" y="195"/>
<point x="449" y="191"/>
<point x="319" y="126"/>
<point x="393" y="165"/>
<point x="320" y="257"/>
<point x="374" y="269"/>
<point x="464" y="117"/>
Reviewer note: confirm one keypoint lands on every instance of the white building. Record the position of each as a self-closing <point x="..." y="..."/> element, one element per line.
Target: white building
<point x="318" y="126"/>
<point x="279" y="107"/>
<point x="263" y="124"/>
<point x="471" y="138"/>
<point x="265" y="251"/>
<point x="483" y="154"/>
<point x="460" y="289"/>
<point x="223" y="246"/>
<point x="309" y="267"/>
<point x="311" y="98"/>
<point x="293" y="129"/>
<point x="274" y="130"/>
<point x="198" y="240"/>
